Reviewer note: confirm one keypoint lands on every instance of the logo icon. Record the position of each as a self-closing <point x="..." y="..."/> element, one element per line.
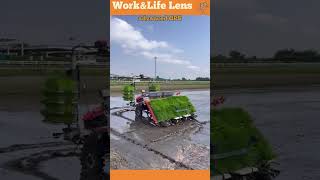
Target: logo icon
<point x="203" y="6"/>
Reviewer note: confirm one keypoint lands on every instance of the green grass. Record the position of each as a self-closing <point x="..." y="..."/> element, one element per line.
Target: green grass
<point x="231" y="75"/>
<point x="46" y="71"/>
<point x="146" y="83"/>
<point x="267" y="69"/>
<point x="154" y="87"/>
<point x="171" y="107"/>
<point x="117" y="86"/>
<point x="232" y="129"/>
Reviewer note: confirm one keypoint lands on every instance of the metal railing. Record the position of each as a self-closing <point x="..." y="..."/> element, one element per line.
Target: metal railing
<point x="62" y="63"/>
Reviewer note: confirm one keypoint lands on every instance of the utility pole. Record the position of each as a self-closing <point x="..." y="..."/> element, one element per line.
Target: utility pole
<point x="22" y="48"/>
<point x="8" y="49"/>
<point x="155" y="68"/>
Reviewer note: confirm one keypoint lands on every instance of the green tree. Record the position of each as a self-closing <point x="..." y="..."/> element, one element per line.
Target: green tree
<point x="236" y="55"/>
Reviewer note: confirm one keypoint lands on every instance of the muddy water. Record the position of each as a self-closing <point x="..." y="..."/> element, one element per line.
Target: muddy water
<point x="143" y="146"/>
<point x="289" y="119"/>
<point x="24" y="137"/>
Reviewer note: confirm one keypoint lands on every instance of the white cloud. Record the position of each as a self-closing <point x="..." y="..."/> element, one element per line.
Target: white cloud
<point x="133" y="41"/>
<point x="193" y="67"/>
<point x="164" y="57"/>
<point x="126" y="35"/>
<point x="270" y="19"/>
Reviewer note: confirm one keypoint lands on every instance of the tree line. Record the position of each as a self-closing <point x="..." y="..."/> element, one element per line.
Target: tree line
<point x="283" y="55"/>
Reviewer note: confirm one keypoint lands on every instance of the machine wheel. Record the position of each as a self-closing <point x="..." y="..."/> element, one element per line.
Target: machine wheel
<point x="94" y="148"/>
<point x="138" y="112"/>
<point x="165" y="124"/>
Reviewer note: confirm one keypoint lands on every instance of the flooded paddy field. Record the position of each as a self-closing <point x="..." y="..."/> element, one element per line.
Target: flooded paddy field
<point x="27" y="147"/>
<point x="289" y="119"/>
<point x="139" y="145"/>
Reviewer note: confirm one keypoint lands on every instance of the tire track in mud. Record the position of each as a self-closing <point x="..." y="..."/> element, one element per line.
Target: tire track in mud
<point x="199" y="123"/>
<point x="179" y="164"/>
<point x="114" y="108"/>
<point x="120" y="114"/>
<point x="196" y="124"/>
<point x="30" y="164"/>
<point x="20" y="147"/>
<point x="177" y="132"/>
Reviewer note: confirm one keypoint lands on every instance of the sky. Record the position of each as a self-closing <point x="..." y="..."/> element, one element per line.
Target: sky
<point x="182" y="47"/>
<point x="260" y="27"/>
<point x="256" y="27"/>
<point x="53" y="22"/>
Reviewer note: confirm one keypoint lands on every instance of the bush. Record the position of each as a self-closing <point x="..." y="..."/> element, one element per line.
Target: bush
<point x="171" y="107"/>
<point x="128" y="93"/>
<point x="154" y="87"/>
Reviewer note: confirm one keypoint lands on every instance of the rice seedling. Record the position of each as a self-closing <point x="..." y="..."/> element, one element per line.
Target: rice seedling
<point x="233" y="132"/>
<point x="171" y="107"/>
<point x="60" y="99"/>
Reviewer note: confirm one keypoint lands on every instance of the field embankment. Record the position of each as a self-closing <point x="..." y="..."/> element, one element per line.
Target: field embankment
<point x="30" y="80"/>
<point x="261" y="75"/>
<point x="117" y="86"/>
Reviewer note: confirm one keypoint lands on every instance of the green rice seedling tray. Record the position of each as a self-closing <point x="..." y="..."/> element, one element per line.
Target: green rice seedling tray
<point x="233" y="131"/>
<point x="61" y="84"/>
<point x="60" y="100"/>
<point x="171" y="107"/>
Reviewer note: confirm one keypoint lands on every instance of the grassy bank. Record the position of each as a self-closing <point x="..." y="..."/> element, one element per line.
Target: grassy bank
<point x="29" y="80"/>
<point x="264" y="75"/>
<point x="36" y="71"/>
<point x="224" y="76"/>
<point x="116" y="87"/>
<point x="33" y="85"/>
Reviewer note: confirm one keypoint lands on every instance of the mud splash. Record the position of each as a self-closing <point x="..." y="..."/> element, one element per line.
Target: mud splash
<point x="30" y="163"/>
